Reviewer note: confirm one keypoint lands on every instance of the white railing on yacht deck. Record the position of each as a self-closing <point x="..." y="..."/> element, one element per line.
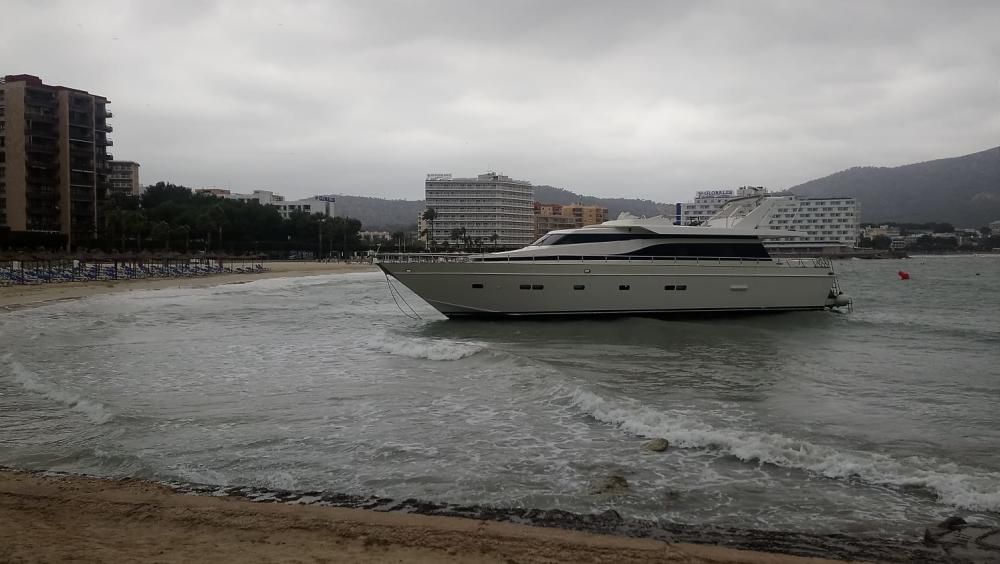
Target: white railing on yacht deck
<point x="395" y="258"/>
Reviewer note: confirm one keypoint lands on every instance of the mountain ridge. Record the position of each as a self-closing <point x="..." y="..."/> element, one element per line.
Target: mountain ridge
<point x="963" y="190"/>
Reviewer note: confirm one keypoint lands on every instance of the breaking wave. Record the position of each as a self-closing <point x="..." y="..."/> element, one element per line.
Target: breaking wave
<point x="93" y="410"/>
<point x="437" y="349"/>
<point x="962" y="487"/>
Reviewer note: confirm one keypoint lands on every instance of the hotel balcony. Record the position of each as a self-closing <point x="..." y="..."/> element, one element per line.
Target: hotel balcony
<point x="108" y="114"/>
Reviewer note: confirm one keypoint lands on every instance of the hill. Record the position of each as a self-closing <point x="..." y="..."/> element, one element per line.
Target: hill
<point x="964" y="191"/>
<point x="378" y="214"/>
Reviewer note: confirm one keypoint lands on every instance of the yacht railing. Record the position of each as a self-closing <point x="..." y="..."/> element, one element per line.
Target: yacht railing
<point x="397" y="258"/>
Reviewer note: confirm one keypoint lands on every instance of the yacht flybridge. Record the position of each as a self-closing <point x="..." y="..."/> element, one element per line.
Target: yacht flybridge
<point x="628" y="266"/>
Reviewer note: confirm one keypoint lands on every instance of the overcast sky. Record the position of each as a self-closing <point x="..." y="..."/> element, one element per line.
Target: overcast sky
<point x="632" y="99"/>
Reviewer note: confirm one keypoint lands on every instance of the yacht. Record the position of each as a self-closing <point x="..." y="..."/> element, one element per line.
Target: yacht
<point x="628" y="266"/>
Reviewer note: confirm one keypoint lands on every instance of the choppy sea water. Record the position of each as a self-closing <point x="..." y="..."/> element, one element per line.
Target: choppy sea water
<point x="879" y="421"/>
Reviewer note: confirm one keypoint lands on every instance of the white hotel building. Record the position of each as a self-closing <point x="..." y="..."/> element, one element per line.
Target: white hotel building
<point x="828" y="224"/>
<point x="490" y="203"/>
<point x="316" y="204"/>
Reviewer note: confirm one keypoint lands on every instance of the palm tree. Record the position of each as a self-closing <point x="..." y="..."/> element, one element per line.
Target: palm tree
<point x="161" y="232"/>
<point x="494" y="238"/>
<point x="217" y="218"/>
<point x="429" y="215"/>
<point x="457" y="234"/>
<point x="184" y="230"/>
<point x="134" y="222"/>
<point x="114" y="222"/>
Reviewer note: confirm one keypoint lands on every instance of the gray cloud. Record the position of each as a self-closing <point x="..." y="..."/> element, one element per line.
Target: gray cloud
<point x="644" y="99"/>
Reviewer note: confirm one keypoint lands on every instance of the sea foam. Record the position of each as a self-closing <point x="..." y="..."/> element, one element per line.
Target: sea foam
<point x="437" y="349"/>
<point x="93" y="410"/>
<point x="964" y="487"/>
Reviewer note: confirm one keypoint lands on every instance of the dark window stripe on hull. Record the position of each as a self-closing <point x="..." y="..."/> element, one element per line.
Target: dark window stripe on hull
<point x="578" y="238"/>
<point x="632" y="256"/>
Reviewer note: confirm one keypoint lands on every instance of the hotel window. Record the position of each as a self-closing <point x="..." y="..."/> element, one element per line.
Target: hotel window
<point x="669" y="287"/>
<point x="624" y="287"/>
<point x="682" y="287"/>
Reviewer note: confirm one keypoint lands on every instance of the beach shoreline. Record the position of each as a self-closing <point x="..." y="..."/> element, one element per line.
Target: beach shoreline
<point x="31" y="295"/>
<point x="63" y="518"/>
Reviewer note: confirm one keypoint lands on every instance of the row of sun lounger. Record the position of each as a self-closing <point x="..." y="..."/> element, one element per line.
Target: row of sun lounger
<point x="10" y="275"/>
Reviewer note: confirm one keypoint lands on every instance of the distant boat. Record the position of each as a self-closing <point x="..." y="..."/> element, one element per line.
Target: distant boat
<point x="628" y="266"/>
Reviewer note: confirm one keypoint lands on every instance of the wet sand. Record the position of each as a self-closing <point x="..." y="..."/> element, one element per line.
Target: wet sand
<point x="13" y="297"/>
<point x="80" y="519"/>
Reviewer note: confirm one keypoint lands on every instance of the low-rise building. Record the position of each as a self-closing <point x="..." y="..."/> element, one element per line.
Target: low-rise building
<point x="217" y="192"/>
<point x="828" y="225"/>
<point x="374" y="236"/>
<point x="316" y="204"/>
<point x="125" y="178"/>
<point x="549" y="217"/>
<point x="872" y="231"/>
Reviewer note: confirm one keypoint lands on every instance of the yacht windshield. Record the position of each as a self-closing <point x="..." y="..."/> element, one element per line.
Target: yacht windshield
<point x="546" y="240"/>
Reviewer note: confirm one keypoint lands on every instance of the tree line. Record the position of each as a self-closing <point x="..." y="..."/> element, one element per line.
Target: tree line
<point x="169" y="218"/>
<point x="986" y="240"/>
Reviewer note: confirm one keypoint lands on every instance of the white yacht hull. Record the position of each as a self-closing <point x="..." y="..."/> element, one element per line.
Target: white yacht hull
<point x="636" y="287"/>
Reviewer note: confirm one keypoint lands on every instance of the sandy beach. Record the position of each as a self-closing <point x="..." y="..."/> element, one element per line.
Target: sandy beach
<point x="80" y="519"/>
<point x="12" y="297"/>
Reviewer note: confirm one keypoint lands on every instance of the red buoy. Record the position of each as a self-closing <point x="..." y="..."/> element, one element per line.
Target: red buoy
<point x="903" y="275"/>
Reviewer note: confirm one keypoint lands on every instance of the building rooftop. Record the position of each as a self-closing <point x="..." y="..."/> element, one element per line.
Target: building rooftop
<point x="486" y="176"/>
<point x="33" y="80"/>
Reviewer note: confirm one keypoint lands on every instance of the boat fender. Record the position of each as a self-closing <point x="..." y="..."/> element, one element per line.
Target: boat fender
<point x="903" y="275"/>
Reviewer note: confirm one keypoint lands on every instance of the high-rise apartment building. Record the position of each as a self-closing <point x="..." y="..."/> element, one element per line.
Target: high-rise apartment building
<point x="125" y="178"/>
<point x="54" y="170"/>
<point x="486" y="205"/>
